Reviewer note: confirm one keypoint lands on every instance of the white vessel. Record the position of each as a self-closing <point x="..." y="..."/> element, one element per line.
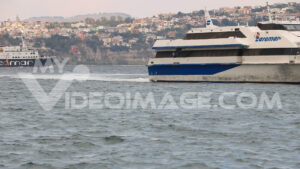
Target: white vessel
<point x="268" y="52"/>
<point x="18" y="56"/>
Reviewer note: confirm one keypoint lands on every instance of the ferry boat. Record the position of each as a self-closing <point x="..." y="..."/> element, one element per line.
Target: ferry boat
<point x="266" y="53"/>
<point x="21" y="56"/>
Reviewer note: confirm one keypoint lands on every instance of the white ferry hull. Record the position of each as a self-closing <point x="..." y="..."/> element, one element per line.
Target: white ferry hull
<point x="243" y="73"/>
<point x="23" y="62"/>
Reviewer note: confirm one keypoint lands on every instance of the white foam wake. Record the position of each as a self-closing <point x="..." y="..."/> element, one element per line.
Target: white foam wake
<point x="142" y="78"/>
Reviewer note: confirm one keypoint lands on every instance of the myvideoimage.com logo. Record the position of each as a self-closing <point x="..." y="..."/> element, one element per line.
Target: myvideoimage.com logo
<point x="135" y="100"/>
<point x="189" y="101"/>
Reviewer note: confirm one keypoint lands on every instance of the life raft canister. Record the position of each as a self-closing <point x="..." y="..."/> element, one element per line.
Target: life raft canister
<point x="257" y="35"/>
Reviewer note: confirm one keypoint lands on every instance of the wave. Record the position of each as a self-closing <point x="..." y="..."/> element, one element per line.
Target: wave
<point x="6" y="75"/>
<point x="142" y="78"/>
<point x="119" y="79"/>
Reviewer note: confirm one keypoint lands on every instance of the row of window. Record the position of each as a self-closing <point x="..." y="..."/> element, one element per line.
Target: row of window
<point x="231" y="52"/>
<point x="24" y="57"/>
<point x="274" y="26"/>
<point x="238" y="34"/>
<point x="215" y="35"/>
<point x="31" y="53"/>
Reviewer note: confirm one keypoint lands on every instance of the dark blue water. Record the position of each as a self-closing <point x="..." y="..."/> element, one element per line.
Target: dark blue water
<point x="31" y="137"/>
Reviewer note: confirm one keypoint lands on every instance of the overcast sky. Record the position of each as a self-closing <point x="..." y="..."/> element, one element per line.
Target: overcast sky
<point x="136" y="8"/>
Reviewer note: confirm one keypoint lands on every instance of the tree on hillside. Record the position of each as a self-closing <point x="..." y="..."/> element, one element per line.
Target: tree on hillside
<point x="90" y="21"/>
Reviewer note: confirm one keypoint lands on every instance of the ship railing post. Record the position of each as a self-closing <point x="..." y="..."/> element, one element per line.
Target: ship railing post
<point x="240" y="60"/>
<point x="293" y="58"/>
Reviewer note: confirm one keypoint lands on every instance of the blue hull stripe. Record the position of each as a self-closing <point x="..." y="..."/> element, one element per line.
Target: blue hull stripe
<point x="189" y="69"/>
<point x="201" y="46"/>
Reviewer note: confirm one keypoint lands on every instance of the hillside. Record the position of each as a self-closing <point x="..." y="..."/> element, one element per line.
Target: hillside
<point x="76" y="18"/>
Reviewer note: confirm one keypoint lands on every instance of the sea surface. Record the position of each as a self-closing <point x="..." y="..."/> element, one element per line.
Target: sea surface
<point x="142" y="137"/>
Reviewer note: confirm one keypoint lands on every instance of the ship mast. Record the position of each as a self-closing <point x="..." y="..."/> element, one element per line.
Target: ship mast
<point x="24" y="46"/>
<point x="269" y="12"/>
<point x="23" y="43"/>
<point x="208" y="22"/>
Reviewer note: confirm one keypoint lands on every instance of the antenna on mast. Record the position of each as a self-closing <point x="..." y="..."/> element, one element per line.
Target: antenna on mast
<point x="269" y="12"/>
<point x="23" y="42"/>
<point x="24" y="46"/>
